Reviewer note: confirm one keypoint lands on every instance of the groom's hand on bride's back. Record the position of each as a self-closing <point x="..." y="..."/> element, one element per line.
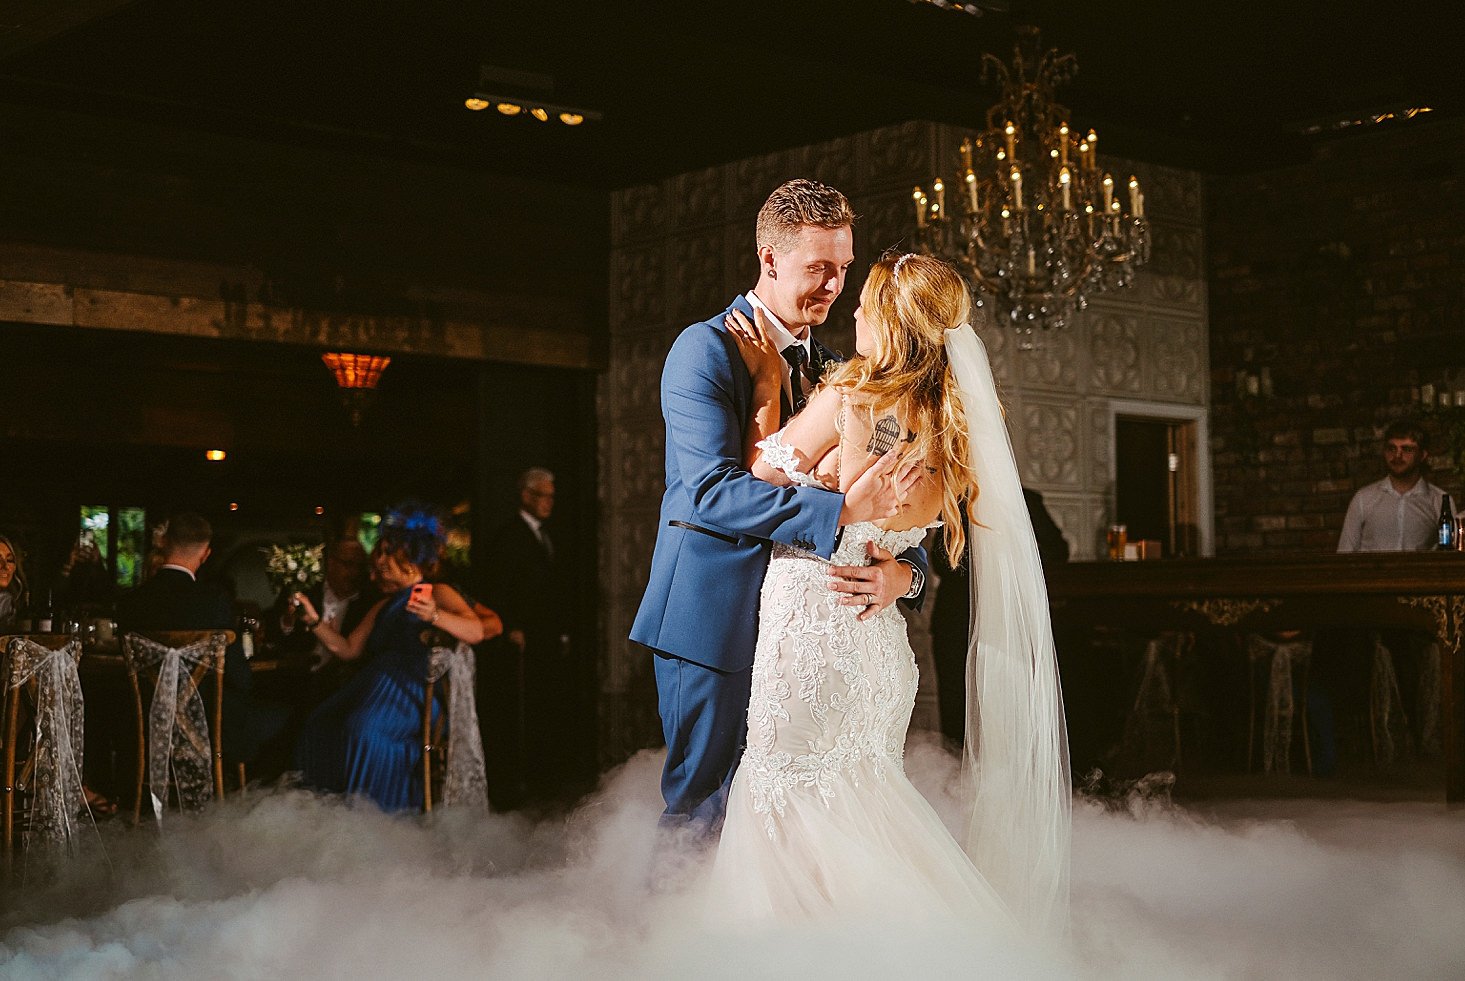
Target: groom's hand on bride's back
<point x="879" y="491"/>
<point x="871" y="587"/>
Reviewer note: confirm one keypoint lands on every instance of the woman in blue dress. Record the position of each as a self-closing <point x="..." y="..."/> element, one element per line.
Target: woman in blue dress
<point x="367" y="738"/>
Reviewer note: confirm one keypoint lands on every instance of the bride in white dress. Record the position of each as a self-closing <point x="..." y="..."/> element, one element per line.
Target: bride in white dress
<point x="821" y="818"/>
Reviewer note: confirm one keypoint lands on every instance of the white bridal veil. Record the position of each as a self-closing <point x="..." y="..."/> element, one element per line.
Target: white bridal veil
<point x="1015" y="768"/>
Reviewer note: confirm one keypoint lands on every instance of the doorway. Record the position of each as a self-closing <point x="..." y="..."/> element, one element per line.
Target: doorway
<point x="1157" y="481"/>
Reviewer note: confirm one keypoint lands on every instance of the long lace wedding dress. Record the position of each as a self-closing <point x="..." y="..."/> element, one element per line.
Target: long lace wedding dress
<point x="821" y="818"/>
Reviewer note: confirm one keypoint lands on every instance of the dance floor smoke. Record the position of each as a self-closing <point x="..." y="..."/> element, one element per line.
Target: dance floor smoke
<point x="284" y="884"/>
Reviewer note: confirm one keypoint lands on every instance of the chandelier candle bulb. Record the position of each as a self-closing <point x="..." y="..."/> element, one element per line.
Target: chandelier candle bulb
<point x="1042" y="255"/>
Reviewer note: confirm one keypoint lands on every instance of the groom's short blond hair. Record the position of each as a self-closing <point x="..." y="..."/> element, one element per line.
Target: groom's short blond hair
<point x="798" y="203"/>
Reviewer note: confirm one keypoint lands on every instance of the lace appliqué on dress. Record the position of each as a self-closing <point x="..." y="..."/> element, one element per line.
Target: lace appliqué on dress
<point x="831" y="695"/>
<point x="783" y="459"/>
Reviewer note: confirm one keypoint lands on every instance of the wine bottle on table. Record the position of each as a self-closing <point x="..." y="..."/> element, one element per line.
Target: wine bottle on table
<point x="43" y="617"/>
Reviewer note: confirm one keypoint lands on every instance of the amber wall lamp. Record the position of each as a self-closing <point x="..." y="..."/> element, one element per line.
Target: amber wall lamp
<point x="356" y="376"/>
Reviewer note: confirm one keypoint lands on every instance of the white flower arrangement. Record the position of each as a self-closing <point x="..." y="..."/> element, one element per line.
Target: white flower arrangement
<point x="294" y="567"/>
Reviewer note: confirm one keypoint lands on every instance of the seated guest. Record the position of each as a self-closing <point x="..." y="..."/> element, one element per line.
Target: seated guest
<point x="1400" y="513"/>
<point x="12" y="585"/>
<point x="342" y="599"/>
<point x="175" y="599"/>
<point x="86" y="583"/>
<point x="12" y="592"/>
<point x="367" y="738"/>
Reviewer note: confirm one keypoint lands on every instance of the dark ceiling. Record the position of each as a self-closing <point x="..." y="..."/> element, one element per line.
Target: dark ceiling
<point x="1220" y="87"/>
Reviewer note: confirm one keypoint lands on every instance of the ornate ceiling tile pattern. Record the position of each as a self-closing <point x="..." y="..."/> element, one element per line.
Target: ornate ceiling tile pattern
<point x="1114" y="344"/>
<point x="1051" y="440"/>
<point x="1179" y="356"/>
<point x="700" y="198"/>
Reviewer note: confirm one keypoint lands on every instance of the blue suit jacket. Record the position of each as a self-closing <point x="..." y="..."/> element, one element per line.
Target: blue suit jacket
<point x="717" y="519"/>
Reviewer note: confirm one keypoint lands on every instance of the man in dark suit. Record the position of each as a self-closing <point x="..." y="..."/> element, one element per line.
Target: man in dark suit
<point x="343" y="598"/>
<point x="526" y="588"/>
<point x="175" y="599"/>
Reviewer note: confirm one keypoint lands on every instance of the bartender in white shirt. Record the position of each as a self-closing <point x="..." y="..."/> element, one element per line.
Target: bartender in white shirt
<point x="1400" y="513"/>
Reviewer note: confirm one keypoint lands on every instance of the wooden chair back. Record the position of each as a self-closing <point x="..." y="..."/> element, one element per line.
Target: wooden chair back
<point x="145" y="675"/>
<point x="434" y="749"/>
<point x="12" y="701"/>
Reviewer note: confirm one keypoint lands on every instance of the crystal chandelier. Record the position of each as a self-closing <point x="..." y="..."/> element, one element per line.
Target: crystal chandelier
<point x="1037" y="227"/>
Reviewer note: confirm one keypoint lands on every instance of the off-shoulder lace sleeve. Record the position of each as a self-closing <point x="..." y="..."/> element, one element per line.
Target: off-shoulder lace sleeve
<point x="783" y="459"/>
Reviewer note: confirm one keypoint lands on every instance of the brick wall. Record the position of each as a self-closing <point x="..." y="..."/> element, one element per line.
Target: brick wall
<point x="1336" y="293"/>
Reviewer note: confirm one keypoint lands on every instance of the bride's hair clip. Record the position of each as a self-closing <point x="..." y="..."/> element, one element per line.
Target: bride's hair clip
<point x="898" y="263"/>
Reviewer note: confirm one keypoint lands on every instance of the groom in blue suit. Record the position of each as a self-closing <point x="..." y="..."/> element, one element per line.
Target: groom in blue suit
<point x="699" y="614"/>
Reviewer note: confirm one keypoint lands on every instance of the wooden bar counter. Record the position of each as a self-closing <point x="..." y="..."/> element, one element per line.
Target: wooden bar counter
<point x="1424" y="590"/>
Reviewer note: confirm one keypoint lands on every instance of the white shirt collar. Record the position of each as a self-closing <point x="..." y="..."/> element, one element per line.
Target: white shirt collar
<point x="181" y="568"/>
<point x="1421" y="486"/>
<point x="782" y="336"/>
<point x="530" y="520"/>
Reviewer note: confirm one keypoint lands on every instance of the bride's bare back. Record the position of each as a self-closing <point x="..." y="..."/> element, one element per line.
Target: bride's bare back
<point x="837" y="431"/>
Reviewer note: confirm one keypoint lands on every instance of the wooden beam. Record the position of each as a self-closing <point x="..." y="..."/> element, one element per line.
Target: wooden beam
<point x="64" y="305"/>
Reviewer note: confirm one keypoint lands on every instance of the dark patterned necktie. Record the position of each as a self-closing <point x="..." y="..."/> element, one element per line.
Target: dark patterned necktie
<point x="796" y="357"/>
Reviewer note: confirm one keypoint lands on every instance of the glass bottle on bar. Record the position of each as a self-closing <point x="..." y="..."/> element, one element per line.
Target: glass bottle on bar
<point x="43" y="615"/>
<point x="1446" y="538"/>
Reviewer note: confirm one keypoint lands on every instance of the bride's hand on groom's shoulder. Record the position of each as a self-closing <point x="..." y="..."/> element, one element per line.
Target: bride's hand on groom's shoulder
<point x="755" y="343"/>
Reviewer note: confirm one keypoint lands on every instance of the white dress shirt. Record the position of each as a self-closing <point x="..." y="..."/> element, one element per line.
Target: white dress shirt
<point x="537" y="526"/>
<point x="333" y="607"/>
<point x="1380" y="519"/>
<point x="782" y="339"/>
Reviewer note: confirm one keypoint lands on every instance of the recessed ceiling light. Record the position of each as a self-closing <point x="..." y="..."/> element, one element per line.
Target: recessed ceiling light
<point x="476" y="104"/>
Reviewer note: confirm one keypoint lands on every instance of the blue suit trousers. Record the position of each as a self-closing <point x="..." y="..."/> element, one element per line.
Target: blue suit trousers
<point x="704" y="717"/>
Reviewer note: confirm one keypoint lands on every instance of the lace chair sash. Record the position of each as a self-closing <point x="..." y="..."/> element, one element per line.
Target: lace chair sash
<point x="57" y="796"/>
<point x="178" y="729"/>
<point x="466" y="779"/>
<point x="1283" y="659"/>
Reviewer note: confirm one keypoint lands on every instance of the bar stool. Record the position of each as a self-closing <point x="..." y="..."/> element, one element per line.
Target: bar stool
<point x="1283" y="658"/>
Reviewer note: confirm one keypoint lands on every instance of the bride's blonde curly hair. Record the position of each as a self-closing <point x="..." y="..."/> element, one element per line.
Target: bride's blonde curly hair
<point x="909" y="303"/>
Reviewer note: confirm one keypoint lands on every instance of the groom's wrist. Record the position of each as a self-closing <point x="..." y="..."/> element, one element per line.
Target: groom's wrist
<point x="918" y="580"/>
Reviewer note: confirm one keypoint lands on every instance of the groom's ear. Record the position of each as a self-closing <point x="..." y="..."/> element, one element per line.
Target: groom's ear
<point x="765" y="260"/>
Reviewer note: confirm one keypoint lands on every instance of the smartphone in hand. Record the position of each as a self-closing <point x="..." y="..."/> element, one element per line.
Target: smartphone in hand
<point x="422" y="592"/>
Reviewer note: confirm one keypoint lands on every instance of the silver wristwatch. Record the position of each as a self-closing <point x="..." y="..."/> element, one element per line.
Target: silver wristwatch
<point x="918" y="580"/>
